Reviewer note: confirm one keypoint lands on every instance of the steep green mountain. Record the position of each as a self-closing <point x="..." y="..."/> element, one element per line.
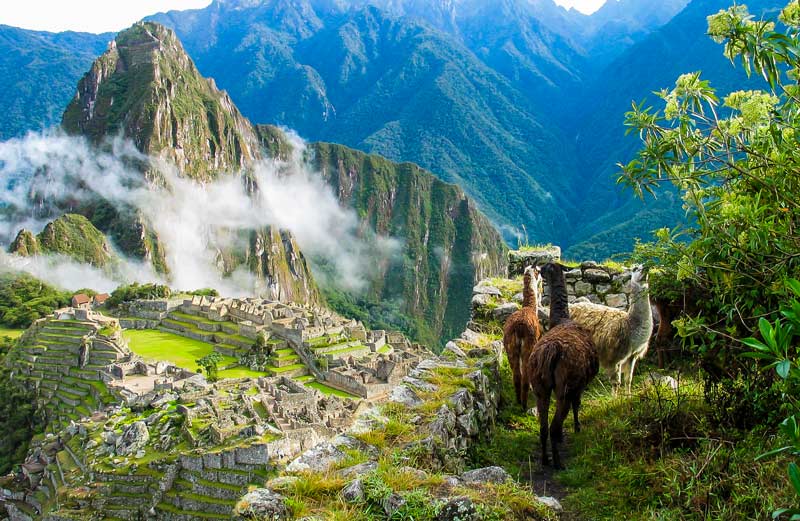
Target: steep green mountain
<point x="680" y="46"/>
<point x="447" y="243"/>
<point x="147" y="88"/>
<point x="71" y="235"/>
<point x="392" y="86"/>
<point x="38" y="73"/>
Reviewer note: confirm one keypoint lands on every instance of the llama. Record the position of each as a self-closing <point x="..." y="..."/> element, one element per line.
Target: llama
<point x="621" y="336"/>
<point x="521" y="331"/>
<point x="563" y="361"/>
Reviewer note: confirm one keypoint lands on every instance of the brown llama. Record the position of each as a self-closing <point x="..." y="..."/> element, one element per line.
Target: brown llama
<point x="564" y="361"/>
<point x="521" y="332"/>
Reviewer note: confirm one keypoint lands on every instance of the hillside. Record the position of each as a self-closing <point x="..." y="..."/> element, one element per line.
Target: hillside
<point x="390" y="86"/>
<point x="52" y="64"/>
<point x="71" y="235"/>
<point x="651" y="65"/>
<point x="447" y="243"/>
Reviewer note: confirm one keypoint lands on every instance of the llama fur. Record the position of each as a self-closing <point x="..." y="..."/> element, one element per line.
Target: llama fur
<point x="563" y="361"/>
<point x="621" y="337"/>
<point x="521" y="332"/>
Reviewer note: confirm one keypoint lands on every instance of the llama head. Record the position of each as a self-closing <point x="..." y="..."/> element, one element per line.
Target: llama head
<point x="532" y="280"/>
<point x="552" y="271"/>
<point x="639" y="280"/>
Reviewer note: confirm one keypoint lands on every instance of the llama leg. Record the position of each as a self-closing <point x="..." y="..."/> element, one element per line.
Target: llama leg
<point x="543" y="408"/>
<point x="632" y="366"/>
<point x="513" y="361"/>
<point x="622" y="374"/>
<point x="557" y="429"/>
<point x="525" y="388"/>
<point x="576" y="404"/>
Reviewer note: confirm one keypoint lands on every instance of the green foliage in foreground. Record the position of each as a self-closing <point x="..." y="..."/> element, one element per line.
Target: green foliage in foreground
<point x="24" y="299"/>
<point x="655" y="454"/>
<point x="736" y="165"/>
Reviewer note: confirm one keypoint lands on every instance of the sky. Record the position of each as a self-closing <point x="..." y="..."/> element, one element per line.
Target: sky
<point x="99" y="16"/>
<point x="92" y="16"/>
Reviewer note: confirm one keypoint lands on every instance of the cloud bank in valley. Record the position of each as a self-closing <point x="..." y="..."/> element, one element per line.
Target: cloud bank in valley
<point x="194" y="221"/>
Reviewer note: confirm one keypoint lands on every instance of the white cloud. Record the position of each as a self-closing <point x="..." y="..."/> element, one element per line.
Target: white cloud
<point x="94" y="16"/>
<point x="195" y="222"/>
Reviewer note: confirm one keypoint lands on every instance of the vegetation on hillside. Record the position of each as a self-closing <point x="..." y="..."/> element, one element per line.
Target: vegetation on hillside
<point x="21" y="420"/>
<point x="24" y="299"/>
<point x="135" y="291"/>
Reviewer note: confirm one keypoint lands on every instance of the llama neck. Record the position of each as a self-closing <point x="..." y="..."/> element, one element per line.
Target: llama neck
<point x="640" y="314"/>
<point x="530" y="293"/>
<point x="559" y="309"/>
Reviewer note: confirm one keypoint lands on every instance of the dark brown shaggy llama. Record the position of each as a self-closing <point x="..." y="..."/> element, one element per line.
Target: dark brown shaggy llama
<point x="521" y="332"/>
<point x="564" y="361"/>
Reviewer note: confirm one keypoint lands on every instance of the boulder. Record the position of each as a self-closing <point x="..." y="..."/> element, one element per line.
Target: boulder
<point x="471" y="337"/>
<point x="551" y="502"/>
<point x="317" y="458"/>
<point x="596" y="275"/>
<point x="617" y="300"/>
<point x="422" y="385"/>
<point x="451" y="347"/>
<point x="503" y="311"/>
<point x="480" y="300"/>
<point x="486" y="475"/>
<point x="358" y="470"/>
<point x="353" y="492"/>
<point x="458" y="509"/>
<point x="133" y="439"/>
<point x="405" y="395"/>
<point x="262" y="504"/>
<point x="486" y="289"/>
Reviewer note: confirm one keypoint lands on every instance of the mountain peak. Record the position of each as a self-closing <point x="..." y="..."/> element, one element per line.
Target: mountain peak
<point x="146" y="87"/>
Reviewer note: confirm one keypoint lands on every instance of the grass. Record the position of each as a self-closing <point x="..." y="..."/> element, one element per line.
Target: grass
<point x="240" y="372"/>
<point x="330" y="390"/>
<point x="12" y="333"/>
<point x="160" y="345"/>
<point x="651" y="455"/>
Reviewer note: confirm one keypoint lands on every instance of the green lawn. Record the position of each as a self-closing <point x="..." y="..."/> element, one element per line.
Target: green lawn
<point x="330" y="390"/>
<point x="181" y="351"/>
<point x="240" y="372"/>
<point x="13" y="333"/>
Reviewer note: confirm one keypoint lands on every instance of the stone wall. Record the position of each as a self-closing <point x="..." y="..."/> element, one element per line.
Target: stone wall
<point x="599" y="283"/>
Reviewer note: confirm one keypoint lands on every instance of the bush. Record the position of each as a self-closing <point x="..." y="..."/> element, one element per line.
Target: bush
<point x="137" y="291"/>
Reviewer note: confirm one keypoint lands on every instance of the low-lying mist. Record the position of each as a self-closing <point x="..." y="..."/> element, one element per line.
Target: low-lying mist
<point x="194" y="221"/>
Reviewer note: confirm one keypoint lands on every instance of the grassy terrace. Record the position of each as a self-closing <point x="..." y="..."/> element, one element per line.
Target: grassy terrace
<point x="13" y="333"/>
<point x="330" y="390"/>
<point x="181" y="351"/>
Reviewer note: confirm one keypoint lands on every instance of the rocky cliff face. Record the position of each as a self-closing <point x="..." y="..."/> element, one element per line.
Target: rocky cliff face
<point x="447" y="244"/>
<point x="145" y="88"/>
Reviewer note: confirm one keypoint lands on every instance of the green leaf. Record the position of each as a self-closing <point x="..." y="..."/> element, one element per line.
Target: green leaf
<point x="783" y="368"/>
<point x="773" y="453"/>
<point x="755" y="344"/>
<point x="794" y="477"/>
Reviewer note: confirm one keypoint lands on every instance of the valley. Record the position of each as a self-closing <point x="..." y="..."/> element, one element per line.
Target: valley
<point x="374" y="260"/>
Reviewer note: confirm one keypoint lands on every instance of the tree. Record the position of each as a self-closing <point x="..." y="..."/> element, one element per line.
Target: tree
<point x="210" y="363"/>
<point x="737" y="164"/>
